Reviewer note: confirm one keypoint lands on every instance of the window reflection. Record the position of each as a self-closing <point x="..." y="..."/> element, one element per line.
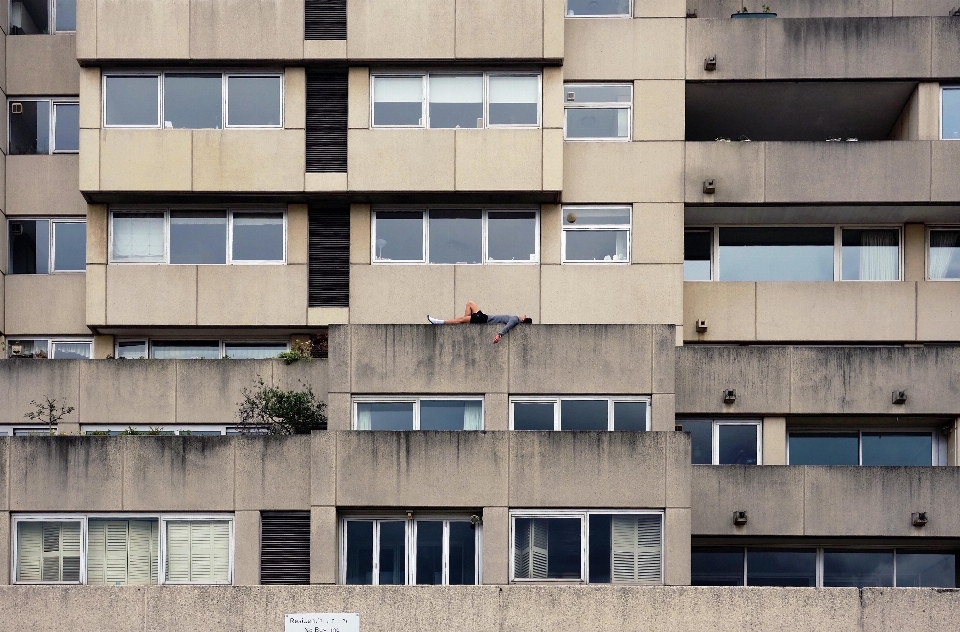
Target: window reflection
<point x="776" y="254"/>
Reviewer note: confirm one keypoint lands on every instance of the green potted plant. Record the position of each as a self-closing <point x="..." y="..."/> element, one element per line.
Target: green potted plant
<point x="744" y="12"/>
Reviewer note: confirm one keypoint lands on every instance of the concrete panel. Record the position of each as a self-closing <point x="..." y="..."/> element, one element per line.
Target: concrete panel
<point x="658" y="233"/>
<point x="660" y="9"/>
<point x="55" y="54"/>
<point x="313" y="372"/>
<point x="4" y="484"/>
<point x="676" y="540"/>
<point x="499" y="160"/>
<point x="936" y="8"/>
<point x="496" y="412"/>
<point x="406" y="29"/>
<point x="552" y="106"/>
<point x="623" y="49"/>
<point x="324" y="182"/>
<point x="103" y="608"/>
<point x="143" y="29"/>
<point x="760" y="375"/>
<point x="151" y="295"/>
<point x="663" y="413"/>
<point x="550" y="233"/>
<point x="96" y="301"/>
<point x="739" y="45"/>
<point x="338" y="411"/>
<point x="298" y="233"/>
<point x="499" y="29"/>
<point x="401" y="469"/>
<point x="943" y="182"/>
<point x="553" y="28"/>
<point x="323" y="316"/>
<point x="587" y="469"/>
<point x="737" y="170"/>
<point x="772" y="496"/>
<point x="664" y="358"/>
<point x="946" y="56"/>
<point x="22" y="381"/>
<point x="44" y="185"/>
<point x="273" y="473"/>
<point x="246" y="548"/>
<point x="401" y="160"/>
<point x="210" y="391"/>
<point x="323" y="468"/>
<point x="66" y="474"/>
<point x="878" y="501"/>
<point x="358" y="98"/>
<point x="774" y="438"/>
<point x="552" y="160"/>
<point x="914" y="252"/>
<point x="938" y="311"/>
<point x="678" y="472"/>
<point x="324" y="545"/>
<point x="97" y="233"/>
<point x="728" y="308"/>
<point x="610" y="294"/>
<point x="241" y="29"/>
<point x="496" y="546"/>
<point x="802" y="8"/>
<point x="177" y="473"/>
<point x="622" y="172"/>
<point x="658" y="113"/>
<point x="248" y="160"/>
<point x="783" y="311"/>
<point x="891" y="608"/>
<point x="325" y="49"/>
<point x="86" y="28"/>
<point x="505" y="289"/>
<point x="140" y="391"/>
<point x="360" y="226"/>
<point x="89" y="168"/>
<point x="401" y="294"/>
<point x="427" y="359"/>
<point x="294" y="97"/>
<point x="340" y="356"/>
<point x="46" y="304"/>
<point x="581" y="359"/>
<point x="146" y="160"/>
<point x="246" y="287"/>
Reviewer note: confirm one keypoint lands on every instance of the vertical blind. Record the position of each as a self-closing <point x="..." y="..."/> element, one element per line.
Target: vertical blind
<point x="329" y="260"/>
<point x="48" y="552"/>
<point x="198" y="552"/>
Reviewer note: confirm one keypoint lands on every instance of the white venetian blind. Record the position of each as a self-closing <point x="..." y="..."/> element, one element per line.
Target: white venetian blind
<point x="636" y="549"/>
<point x="48" y="552"/>
<point x="122" y="552"/>
<point x="198" y="552"/>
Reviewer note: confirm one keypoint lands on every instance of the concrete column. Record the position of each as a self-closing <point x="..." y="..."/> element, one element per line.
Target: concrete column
<point x="953" y="442"/>
<point x="774" y="431"/>
<point x="495" y="561"/>
<point x="102" y="347"/>
<point x="324" y="545"/>
<point x="5" y="542"/>
<point x="246" y="548"/>
<point x="676" y="545"/>
<point x="914" y="252"/>
<point x="663" y="413"/>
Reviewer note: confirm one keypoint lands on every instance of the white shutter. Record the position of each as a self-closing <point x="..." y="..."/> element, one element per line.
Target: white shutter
<point x="521" y="553"/>
<point x="58" y="557"/>
<point x="142" y="552"/>
<point x="122" y="552"/>
<point x="29" y="551"/>
<point x="635" y="549"/>
<point x="96" y="552"/>
<point x="198" y="552"/>
<point x="178" y="552"/>
<point x="116" y="557"/>
<point x="530" y="558"/>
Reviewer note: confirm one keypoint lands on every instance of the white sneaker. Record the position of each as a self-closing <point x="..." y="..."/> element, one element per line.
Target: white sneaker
<point x="435" y="321"/>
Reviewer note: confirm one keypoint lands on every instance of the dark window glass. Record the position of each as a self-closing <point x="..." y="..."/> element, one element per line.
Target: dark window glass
<point x="511" y="236"/>
<point x="29" y="246"/>
<point x="456" y="236"/>
<point x="926" y="570"/>
<point x="193" y="101"/>
<point x="888" y="448"/>
<point x="595" y="245"/>
<point x="950" y="122"/>
<point x="29" y="127"/>
<point x="737" y="444"/>
<point x="857" y="568"/>
<point x="533" y="416"/>
<point x="701" y="439"/>
<point x="66" y="15"/>
<point x="133" y="101"/>
<point x="132" y="350"/>
<point x="393" y="553"/>
<point x="824" y="449"/>
<point x="70" y="246"/>
<point x="630" y="415"/>
<point x="450" y="415"/>
<point x="456" y="102"/>
<point x="583" y="414"/>
<point x="253" y="101"/>
<point x="599" y="549"/>
<point x="67" y="127"/>
<point x="258" y="236"/>
<point x="597" y="7"/>
<point x="782" y="567"/>
<point x="198" y="237"/>
<point x="359" y="552"/>
<point x="776" y="254"/>
<point x="399" y="236"/>
<point x="463" y="554"/>
<point x="696" y="254"/>
<point x="945" y="253"/>
<point x="547" y="548"/>
<point x="429" y="552"/>
<point x="716" y="567"/>
<point x="385" y="416"/>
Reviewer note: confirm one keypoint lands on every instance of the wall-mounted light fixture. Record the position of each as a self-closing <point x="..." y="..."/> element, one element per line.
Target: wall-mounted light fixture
<point x="709" y="186"/>
<point x="730" y="396"/>
<point x="739" y="518"/>
<point x="702" y="325"/>
<point x="919" y="519"/>
<point x="710" y="63"/>
<point x="899" y="397"/>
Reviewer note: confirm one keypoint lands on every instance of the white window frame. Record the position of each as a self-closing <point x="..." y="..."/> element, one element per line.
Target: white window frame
<point x="416" y="400"/>
<point x="410" y="541"/>
<point x="230" y="214"/>
<point x="607" y="16"/>
<point x="555" y="400"/>
<point x="837" y="249"/>
<point x="596" y="227"/>
<point x="51" y="19"/>
<point x="425" y="100"/>
<point x="26" y="430"/>
<point x="51" y="237"/>
<point x="223" y="344"/>
<point x="176" y="430"/>
<point x="50" y="343"/>
<point x="714" y="249"/>
<point x="584" y="516"/>
<point x="51" y="122"/>
<point x="926" y="247"/>
<point x="938" y="442"/>
<point x="167" y="519"/>
<point x="224" y="98"/>
<point x="599" y="105"/>
<point x="17" y="519"/>
<point x="485" y="235"/>
<point x="715" y="436"/>
<point x="942" y="90"/>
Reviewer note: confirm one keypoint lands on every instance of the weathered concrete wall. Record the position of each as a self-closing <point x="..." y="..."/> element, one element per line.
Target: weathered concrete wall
<point x="829" y="8"/>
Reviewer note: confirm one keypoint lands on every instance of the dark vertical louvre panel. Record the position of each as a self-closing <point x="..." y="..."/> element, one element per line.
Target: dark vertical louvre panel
<point x="325" y="20"/>
<point x="285" y="547"/>
<point x="329" y="278"/>
<point x="327" y="122"/>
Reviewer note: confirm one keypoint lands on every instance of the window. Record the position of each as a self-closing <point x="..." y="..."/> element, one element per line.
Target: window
<point x="43" y="17"/>
<point x="863" y="447"/>
<point x="943" y="257"/>
<point x="596" y="234"/>
<point x="58" y="349"/>
<point x="950" y="113"/>
<point x="598" y="111"/>
<point x="195" y="430"/>
<point x="430" y="550"/>
<point x="822" y="567"/>
<point x="463" y="236"/>
<point x="44" y="246"/>
<point x="715" y="442"/>
<point x="208" y="237"/>
<point x="598" y="8"/>
<point x="198" y="349"/>
<point x="450" y="101"/>
<point x="192" y="100"/>
<point x="580" y="413"/>
<point x="597" y="547"/>
<point x="790" y="253"/>
<point x="413" y="413"/>
<point x="27" y="430"/>
<point x="44" y="126"/>
<point x="123" y="549"/>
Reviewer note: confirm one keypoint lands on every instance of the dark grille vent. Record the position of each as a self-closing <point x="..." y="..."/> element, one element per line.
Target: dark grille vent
<point x="329" y="276"/>
<point x="325" y="19"/>
<point x="285" y="547"/>
<point x="327" y="122"/>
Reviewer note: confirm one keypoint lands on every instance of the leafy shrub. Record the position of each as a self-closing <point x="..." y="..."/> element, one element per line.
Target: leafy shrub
<point x="272" y="410"/>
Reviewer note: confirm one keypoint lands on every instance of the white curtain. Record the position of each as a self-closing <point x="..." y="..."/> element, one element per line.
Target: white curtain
<point x="364" y="417"/>
<point x="621" y="245"/>
<point x="138" y="237"/>
<point x="879" y="255"/>
<point x="943" y="246"/>
<point x="71" y="350"/>
<point x="623" y="122"/>
<point x="514" y="89"/>
<point x="253" y="351"/>
<point x="473" y="415"/>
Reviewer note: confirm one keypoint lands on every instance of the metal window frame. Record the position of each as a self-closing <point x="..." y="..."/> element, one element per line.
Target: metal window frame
<point x="938" y="457"/>
<point x="51" y="237"/>
<point x="628" y="227"/>
<point x="227" y="75"/>
<point x="943" y="89"/>
<point x="600" y="105"/>
<point x="415" y="400"/>
<point x="50" y="342"/>
<point x="51" y="122"/>
<point x="223" y="342"/>
<point x="51" y="19"/>
<point x="11" y="430"/>
<point x="926" y="249"/>
<point x="607" y="16"/>
<point x="715" y="424"/>
<point x="555" y="400"/>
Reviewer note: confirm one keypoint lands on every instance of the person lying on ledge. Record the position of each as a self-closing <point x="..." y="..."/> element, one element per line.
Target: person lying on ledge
<point x="474" y="316"/>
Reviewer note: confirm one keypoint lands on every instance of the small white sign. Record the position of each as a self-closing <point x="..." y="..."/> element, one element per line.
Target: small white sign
<point x="322" y="622"/>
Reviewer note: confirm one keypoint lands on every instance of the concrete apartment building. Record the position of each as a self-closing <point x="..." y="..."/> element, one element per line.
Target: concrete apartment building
<point x="736" y="233"/>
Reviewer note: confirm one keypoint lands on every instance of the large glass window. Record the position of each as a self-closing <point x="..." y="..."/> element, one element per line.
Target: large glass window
<point x="697" y="245"/>
<point x="596" y="234"/>
<point x="950" y="113"/>
<point x="459" y="236"/>
<point x="254" y="101"/>
<point x="66" y="15"/>
<point x="398" y="101"/>
<point x="131" y="100"/>
<point x="455" y="101"/>
<point x="587" y="547"/>
<point x="716" y="567"/>
<point x="56" y="348"/>
<point x="418" y="414"/>
<point x="715" y="442"/>
<point x="185" y="349"/>
<point x="598" y="111"/>
<point x="870" y="254"/>
<point x="198" y="349"/>
<point x="42" y="246"/>
<point x="943" y="261"/>
<point x="425" y="551"/>
<point x="44" y="126"/>
<point x="890" y="448"/>
<point x="580" y="413"/>
<point x="192" y="100"/>
<point x="198" y="237"/>
<point x="514" y="100"/>
<point x="598" y="8"/>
